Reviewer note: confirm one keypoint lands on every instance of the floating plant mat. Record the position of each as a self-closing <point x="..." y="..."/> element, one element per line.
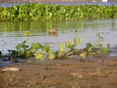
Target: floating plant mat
<point x="48" y="12"/>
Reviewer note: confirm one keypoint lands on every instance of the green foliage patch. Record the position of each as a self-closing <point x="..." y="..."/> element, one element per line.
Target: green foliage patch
<point x="69" y="49"/>
<point x="47" y="12"/>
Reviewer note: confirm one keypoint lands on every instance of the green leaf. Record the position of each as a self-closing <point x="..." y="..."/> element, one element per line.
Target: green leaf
<point x="99" y="52"/>
<point x="89" y="49"/>
<point x="88" y="45"/>
<point x="19" y="46"/>
<point x="77" y="41"/>
<point x="38" y="55"/>
<point x="61" y="47"/>
<point x="68" y="43"/>
<point x="92" y="53"/>
<point x="35" y="46"/>
<point x="22" y="45"/>
<point x="30" y="14"/>
<point x="51" y="55"/>
<point x="100" y="46"/>
<point x="83" y="55"/>
<point x="45" y="49"/>
<point x="28" y="54"/>
<point x="14" y="54"/>
<point x="106" y="51"/>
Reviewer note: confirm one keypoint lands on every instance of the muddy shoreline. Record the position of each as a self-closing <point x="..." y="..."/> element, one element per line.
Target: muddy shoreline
<point x="94" y="72"/>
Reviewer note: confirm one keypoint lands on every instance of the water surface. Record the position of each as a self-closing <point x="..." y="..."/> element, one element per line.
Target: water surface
<point x="11" y="33"/>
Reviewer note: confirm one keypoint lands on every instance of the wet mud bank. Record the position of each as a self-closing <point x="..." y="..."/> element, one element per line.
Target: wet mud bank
<point x="95" y="72"/>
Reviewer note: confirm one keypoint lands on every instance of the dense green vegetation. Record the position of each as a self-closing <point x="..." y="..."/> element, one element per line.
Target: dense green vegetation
<point x="71" y="48"/>
<point x="47" y="12"/>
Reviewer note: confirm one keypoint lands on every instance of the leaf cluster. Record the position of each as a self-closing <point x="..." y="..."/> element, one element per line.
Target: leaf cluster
<point x="47" y="12"/>
<point x="70" y="49"/>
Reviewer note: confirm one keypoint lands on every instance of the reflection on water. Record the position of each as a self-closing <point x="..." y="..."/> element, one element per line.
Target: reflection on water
<point x="11" y="33"/>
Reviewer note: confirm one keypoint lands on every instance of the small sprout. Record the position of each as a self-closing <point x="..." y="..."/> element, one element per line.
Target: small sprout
<point x="26" y="33"/>
<point x="38" y="55"/>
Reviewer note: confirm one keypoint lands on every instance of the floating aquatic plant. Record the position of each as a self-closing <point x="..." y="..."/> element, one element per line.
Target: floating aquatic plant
<point x="38" y="55"/>
<point x="43" y="51"/>
<point x="47" y="12"/>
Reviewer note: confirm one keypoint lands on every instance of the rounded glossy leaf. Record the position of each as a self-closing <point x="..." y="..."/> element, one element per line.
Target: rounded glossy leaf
<point x="46" y="48"/>
<point x="38" y="55"/>
<point x="35" y="46"/>
<point x="68" y="43"/>
<point x="61" y="47"/>
<point x="51" y="55"/>
<point x="83" y="55"/>
<point x="77" y="41"/>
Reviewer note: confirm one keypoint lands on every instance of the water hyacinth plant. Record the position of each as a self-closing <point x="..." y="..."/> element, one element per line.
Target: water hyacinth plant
<point x="38" y="55"/>
<point x="68" y="44"/>
<point x="61" y="51"/>
<point x="47" y="12"/>
<point x="97" y="48"/>
<point x="70" y="49"/>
